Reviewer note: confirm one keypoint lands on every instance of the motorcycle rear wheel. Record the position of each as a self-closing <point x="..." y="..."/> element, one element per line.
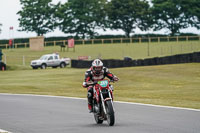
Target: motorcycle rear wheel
<point x="110" y="113"/>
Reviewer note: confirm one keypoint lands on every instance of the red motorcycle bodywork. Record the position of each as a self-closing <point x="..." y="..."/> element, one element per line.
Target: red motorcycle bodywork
<point x="96" y="94"/>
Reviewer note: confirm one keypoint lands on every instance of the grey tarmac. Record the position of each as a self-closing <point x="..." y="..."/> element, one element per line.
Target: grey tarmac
<point x="43" y="114"/>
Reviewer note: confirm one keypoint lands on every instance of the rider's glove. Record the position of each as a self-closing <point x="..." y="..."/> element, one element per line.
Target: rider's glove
<point x="115" y="78"/>
<point x="84" y="84"/>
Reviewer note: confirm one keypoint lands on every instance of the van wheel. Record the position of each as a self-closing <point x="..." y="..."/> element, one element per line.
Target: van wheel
<point x="35" y="67"/>
<point x="62" y="65"/>
<point x="43" y="66"/>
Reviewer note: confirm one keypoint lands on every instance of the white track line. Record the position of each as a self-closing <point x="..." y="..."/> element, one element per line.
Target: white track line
<point x="142" y="104"/>
<point x="159" y="106"/>
<point x="3" y="131"/>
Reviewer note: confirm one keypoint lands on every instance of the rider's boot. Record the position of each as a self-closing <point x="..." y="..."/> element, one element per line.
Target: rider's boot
<point x="89" y="96"/>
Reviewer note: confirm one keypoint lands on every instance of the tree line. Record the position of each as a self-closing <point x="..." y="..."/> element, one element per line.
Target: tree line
<point x="81" y="18"/>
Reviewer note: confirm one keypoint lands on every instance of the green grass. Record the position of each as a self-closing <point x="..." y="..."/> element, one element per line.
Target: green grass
<point x="14" y="57"/>
<point x="173" y="85"/>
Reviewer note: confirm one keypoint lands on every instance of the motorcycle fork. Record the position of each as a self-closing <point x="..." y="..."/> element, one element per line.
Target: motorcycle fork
<point x="96" y="98"/>
<point x="95" y="95"/>
<point x="102" y="100"/>
<point x="109" y="92"/>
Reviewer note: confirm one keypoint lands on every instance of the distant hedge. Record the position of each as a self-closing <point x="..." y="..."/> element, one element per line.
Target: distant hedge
<point x="17" y="40"/>
<point x="141" y="35"/>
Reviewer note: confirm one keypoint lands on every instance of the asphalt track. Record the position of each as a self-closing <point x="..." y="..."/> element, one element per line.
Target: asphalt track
<point x="40" y="114"/>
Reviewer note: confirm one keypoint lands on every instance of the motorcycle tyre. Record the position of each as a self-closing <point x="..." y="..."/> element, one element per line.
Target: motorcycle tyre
<point x="110" y="113"/>
<point x="96" y="117"/>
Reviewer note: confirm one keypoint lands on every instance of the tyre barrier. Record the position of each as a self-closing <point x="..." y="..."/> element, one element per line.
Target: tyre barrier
<point x="112" y="63"/>
<point x="2" y="66"/>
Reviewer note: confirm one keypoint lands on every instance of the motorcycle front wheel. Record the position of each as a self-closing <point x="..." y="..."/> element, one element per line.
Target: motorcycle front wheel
<point x="110" y="113"/>
<point x="96" y="117"/>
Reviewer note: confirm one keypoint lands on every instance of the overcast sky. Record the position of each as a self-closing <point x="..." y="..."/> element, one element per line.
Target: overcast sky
<point x="9" y="18"/>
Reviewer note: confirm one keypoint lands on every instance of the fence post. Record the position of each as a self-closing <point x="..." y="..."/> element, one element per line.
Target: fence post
<point x="171" y="49"/>
<point x="176" y="38"/>
<point x="158" y="39"/>
<point x="111" y="41"/>
<point x="92" y="41"/>
<point x="102" y="41"/>
<point x="83" y="42"/>
<point x="6" y="46"/>
<point x="168" y="39"/>
<point x="54" y="43"/>
<point x="148" y="51"/>
<point x="181" y="48"/>
<point x="187" y="38"/>
<point x="23" y="60"/>
<point x="121" y="40"/>
<point x="5" y="59"/>
<point x="191" y="47"/>
<point x="139" y="40"/>
<point x="149" y="39"/>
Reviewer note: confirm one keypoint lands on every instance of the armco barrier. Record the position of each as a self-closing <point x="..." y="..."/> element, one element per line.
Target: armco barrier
<point x="196" y="57"/>
<point x="183" y="58"/>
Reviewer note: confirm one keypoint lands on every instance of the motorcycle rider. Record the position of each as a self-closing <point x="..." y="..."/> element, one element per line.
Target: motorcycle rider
<point x="96" y="72"/>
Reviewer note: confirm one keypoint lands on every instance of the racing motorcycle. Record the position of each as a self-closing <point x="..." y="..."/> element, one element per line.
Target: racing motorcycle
<point x="103" y="102"/>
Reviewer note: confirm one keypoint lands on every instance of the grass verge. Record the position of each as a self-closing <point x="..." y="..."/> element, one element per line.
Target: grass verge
<point x="172" y="85"/>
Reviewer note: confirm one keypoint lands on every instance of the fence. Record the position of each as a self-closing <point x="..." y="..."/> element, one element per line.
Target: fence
<point x="111" y="41"/>
<point x="20" y="60"/>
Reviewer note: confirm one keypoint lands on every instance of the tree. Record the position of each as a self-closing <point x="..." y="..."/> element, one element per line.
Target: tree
<point x="168" y="14"/>
<point x="191" y="10"/>
<point x="36" y="16"/>
<point x="81" y="17"/>
<point x="128" y="15"/>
